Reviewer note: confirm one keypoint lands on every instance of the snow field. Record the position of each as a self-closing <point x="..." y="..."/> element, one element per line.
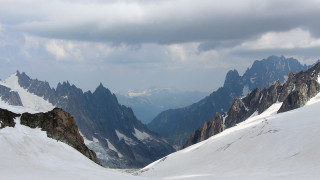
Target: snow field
<point x="27" y="153"/>
<point x="266" y="146"/>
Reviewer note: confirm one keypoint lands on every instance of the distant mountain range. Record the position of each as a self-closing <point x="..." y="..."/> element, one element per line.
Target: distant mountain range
<point x="269" y="133"/>
<point x="147" y="104"/>
<point x="119" y="139"/>
<point x="273" y="134"/>
<point x="176" y="125"/>
<point x="294" y="93"/>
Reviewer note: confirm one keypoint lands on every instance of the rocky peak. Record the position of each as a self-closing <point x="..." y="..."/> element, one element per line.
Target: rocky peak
<point x="232" y="79"/>
<point x="23" y="79"/>
<point x="294" y="93"/>
<point x="300" y="88"/>
<point x="113" y="128"/>
<point x="176" y="124"/>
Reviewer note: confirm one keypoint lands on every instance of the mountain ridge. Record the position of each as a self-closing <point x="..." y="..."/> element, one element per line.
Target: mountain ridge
<point x="99" y="117"/>
<point x="177" y="125"/>
<point x="294" y="93"/>
<point x="279" y="142"/>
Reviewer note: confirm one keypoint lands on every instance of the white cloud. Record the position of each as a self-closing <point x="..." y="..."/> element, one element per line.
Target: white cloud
<point x="295" y="38"/>
<point x="177" y="52"/>
<point x="56" y="49"/>
<point x="148" y="41"/>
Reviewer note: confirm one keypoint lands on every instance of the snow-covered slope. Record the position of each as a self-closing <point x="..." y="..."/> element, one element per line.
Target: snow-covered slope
<point x="27" y="153"/>
<point x="266" y="146"/>
<point x="31" y="103"/>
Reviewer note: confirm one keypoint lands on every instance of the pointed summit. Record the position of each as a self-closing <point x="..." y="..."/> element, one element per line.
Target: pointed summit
<point x="101" y="88"/>
<point x="101" y="85"/>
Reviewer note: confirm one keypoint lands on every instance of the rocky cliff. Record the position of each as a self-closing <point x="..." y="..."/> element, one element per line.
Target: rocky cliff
<point x="58" y="124"/>
<point x="294" y="93"/>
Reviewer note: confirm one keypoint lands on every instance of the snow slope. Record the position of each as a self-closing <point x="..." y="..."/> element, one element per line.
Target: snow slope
<point x="27" y="153"/>
<point x="31" y="103"/>
<point x="266" y="146"/>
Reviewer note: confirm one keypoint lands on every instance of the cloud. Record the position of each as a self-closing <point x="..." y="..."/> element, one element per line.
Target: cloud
<point x="212" y="22"/>
<point x="56" y="50"/>
<point x="143" y="43"/>
<point x="296" y="42"/>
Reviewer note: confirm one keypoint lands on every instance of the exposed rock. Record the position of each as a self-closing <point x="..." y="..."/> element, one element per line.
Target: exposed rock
<point x="236" y="113"/>
<point x="10" y="97"/>
<point x="177" y="124"/>
<point x="305" y="86"/>
<point x="101" y="119"/>
<point x="269" y="96"/>
<point x="40" y="88"/>
<point x="61" y="126"/>
<point x="294" y="93"/>
<point x="209" y="129"/>
<point x="7" y="118"/>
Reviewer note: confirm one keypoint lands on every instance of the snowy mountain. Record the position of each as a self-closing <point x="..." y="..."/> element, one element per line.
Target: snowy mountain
<point x="108" y="128"/>
<point x="270" y="145"/>
<point x="176" y="125"/>
<point x="277" y="141"/>
<point x="27" y="153"/>
<point x="294" y="93"/>
<point x="148" y="103"/>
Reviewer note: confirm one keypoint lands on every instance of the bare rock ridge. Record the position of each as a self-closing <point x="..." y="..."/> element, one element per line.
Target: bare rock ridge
<point x="176" y="125"/>
<point x="58" y="124"/>
<point x="116" y="135"/>
<point x="294" y="93"/>
<point x="9" y="96"/>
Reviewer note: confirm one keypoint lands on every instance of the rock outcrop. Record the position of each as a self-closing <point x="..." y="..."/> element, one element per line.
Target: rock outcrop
<point x="301" y="87"/>
<point x="294" y="93"/>
<point x="9" y="96"/>
<point x="7" y="118"/>
<point x="209" y="129"/>
<point x="58" y="124"/>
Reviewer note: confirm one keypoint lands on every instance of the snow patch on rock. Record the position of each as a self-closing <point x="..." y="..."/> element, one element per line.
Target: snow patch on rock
<point x="126" y="139"/>
<point x="141" y="135"/>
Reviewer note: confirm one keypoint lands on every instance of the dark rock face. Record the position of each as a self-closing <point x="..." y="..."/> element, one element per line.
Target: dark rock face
<point x="7" y="118"/>
<point x="294" y="93"/>
<point x="209" y="129"/>
<point x="305" y="86"/>
<point x="100" y="117"/>
<point x="177" y="124"/>
<point x="58" y="124"/>
<point x="61" y="126"/>
<point x="37" y="87"/>
<point x="11" y="97"/>
<point x="269" y="96"/>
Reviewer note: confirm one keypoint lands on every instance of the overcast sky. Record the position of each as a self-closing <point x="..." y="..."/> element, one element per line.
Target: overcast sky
<point x="137" y="44"/>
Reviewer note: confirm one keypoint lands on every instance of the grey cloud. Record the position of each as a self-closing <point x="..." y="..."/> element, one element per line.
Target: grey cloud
<point x="218" y="44"/>
<point x="312" y="52"/>
<point x="213" y="29"/>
